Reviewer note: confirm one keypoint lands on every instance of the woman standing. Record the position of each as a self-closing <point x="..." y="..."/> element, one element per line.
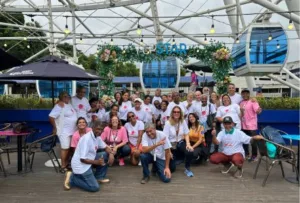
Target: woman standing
<point x="114" y="111"/>
<point x="177" y="131"/>
<point x="63" y="120"/>
<point x="188" y="103"/>
<point x="82" y="130"/>
<point x="163" y="114"/>
<point x="135" y="130"/>
<point x="125" y="105"/>
<point x="228" y="109"/>
<point x="148" y="108"/>
<point x="117" y="97"/>
<point x="115" y="136"/>
<point x="197" y="141"/>
<point x="215" y="99"/>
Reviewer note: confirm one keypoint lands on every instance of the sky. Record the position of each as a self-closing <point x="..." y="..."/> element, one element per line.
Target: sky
<point x="199" y="25"/>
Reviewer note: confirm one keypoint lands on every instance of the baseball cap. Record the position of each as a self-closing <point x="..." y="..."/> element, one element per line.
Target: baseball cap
<point x="138" y="100"/>
<point x="227" y="119"/>
<point x="246" y="90"/>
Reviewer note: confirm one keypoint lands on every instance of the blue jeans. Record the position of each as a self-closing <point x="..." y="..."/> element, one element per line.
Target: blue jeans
<point x="88" y="180"/>
<point x="123" y="151"/>
<point x="159" y="166"/>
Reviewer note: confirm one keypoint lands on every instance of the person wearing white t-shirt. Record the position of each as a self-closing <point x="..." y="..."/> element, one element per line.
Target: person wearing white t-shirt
<point x="114" y="111"/>
<point x="140" y="114"/>
<point x="156" y="149"/>
<point x="197" y="103"/>
<point x="164" y="116"/>
<point x="235" y="97"/>
<point x="148" y="107"/>
<point x="189" y="103"/>
<point x="229" y="109"/>
<point x="177" y="131"/>
<point x="231" y="141"/>
<point x="125" y="106"/>
<point x="135" y="130"/>
<point x="63" y="120"/>
<point x="81" y="104"/>
<point x="157" y="96"/>
<point x="84" y="157"/>
<point x="176" y="102"/>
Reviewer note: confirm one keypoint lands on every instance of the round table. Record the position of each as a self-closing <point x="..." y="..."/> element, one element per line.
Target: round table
<point x="294" y="137"/>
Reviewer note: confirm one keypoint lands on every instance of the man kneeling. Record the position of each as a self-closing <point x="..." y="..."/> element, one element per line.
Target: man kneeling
<point x="85" y="157"/>
<point x="231" y="140"/>
<point x="156" y="149"/>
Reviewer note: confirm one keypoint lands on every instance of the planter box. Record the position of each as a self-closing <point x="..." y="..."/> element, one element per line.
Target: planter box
<point x="286" y="120"/>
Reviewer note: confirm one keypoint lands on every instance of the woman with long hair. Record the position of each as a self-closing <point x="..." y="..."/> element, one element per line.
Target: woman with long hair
<point x="135" y="130"/>
<point x="215" y="99"/>
<point x="82" y="129"/>
<point x="114" y="111"/>
<point x="115" y="136"/>
<point x="124" y="107"/>
<point x="197" y="141"/>
<point x="117" y="97"/>
<point x="177" y="131"/>
<point x="148" y="108"/>
<point x="228" y="109"/>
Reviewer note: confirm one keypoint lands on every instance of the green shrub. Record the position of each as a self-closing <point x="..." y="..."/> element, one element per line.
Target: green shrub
<point x="10" y="102"/>
<point x="279" y="103"/>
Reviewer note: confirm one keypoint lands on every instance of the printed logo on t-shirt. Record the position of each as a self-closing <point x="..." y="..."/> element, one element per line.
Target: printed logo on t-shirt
<point x="132" y="132"/>
<point x="164" y="118"/>
<point x="125" y="107"/>
<point x="227" y="110"/>
<point x="203" y="113"/>
<point x="80" y="106"/>
<point x="136" y="117"/>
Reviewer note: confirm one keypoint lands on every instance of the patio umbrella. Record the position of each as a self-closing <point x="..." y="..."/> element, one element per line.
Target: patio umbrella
<point x="8" y="61"/>
<point x="48" y="68"/>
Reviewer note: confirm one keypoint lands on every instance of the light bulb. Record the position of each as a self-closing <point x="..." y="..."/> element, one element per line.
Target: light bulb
<point x="80" y="39"/>
<point x="290" y="26"/>
<point x="28" y="46"/>
<point x="237" y="40"/>
<point x="278" y="46"/>
<point x="67" y="31"/>
<point x="249" y="49"/>
<point x="25" y="38"/>
<point x="197" y="51"/>
<point x="111" y="42"/>
<point x="212" y="29"/>
<point x="270" y="37"/>
<point x="5" y="45"/>
<point x="139" y="31"/>
<point x="123" y="52"/>
<point x="173" y="41"/>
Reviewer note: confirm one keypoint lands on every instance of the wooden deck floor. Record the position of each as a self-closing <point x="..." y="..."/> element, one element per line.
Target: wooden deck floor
<point x="43" y="185"/>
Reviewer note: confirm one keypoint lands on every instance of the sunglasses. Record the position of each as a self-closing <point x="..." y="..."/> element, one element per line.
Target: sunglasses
<point x="176" y="111"/>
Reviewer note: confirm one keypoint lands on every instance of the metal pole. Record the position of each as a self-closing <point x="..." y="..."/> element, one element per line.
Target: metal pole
<point x="292" y="5"/>
<point x="291" y="74"/>
<point x="240" y="12"/>
<point x="51" y="46"/>
<point x="37" y="54"/>
<point x="284" y="82"/>
<point x="74" y="36"/>
<point x="156" y="22"/>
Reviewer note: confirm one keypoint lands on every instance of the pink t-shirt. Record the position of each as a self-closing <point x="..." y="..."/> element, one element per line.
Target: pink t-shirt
<point x="114" y="137"/>
<point x="76" y="136"/>
<point x="249" y="120"/>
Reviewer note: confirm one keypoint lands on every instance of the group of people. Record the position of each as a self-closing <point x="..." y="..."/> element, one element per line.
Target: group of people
<point x="160" y="129"/>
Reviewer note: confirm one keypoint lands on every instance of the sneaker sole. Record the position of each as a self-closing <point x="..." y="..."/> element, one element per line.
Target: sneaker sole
<point x="229" y="169"/>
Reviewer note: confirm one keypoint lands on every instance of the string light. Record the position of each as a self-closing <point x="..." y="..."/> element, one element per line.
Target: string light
<point x="138" y="31"/>
<point x="142" y="41"/>
<point x="123" y="52"/>
<point x="28" y="46"/>
<point x="278" y="45"/>
<point x="80" y="40"/>
<point x="111" y="41"/>
<point x="25" y="38"/>
<point x="205" y="39"/>
<point x="67" y="31"/>
<point x="237" y="38"/>
<point x="5" y="45"/>
<point x="173" y="40"/>
<point x="290" y="26"/>
<point x="250" y="46"/>
<point x="212" y="29"/>
<point x="270" y="37"/>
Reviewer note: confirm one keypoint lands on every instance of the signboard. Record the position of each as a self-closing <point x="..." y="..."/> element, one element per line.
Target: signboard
<point x="167" y="48"/>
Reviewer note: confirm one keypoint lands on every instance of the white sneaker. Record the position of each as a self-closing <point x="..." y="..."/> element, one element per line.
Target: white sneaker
<point x="140" y="163"/>
<point x="239" y="173"/>
<point x="226" y="169"/>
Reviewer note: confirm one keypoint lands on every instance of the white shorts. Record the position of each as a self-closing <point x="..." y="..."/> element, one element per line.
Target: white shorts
<point x="65" y="141"/>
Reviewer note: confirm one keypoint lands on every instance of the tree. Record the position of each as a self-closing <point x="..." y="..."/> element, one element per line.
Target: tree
<point x="127" y="69"/>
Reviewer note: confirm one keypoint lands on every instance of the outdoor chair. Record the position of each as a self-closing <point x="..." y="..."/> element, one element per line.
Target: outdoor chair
<point x="1" y="163"/>
<point x="4" y="139"/>
<point x="283" y="154"/>
<point x="45" y="144"/>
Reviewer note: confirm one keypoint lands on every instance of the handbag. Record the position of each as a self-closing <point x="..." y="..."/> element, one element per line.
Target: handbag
<point x="210" y="118"/>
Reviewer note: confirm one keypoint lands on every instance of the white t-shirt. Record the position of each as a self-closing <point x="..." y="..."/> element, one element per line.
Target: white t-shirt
<point x="195" y="106"/>
<point x="81" y="106"/>
<point x="233" y="111"/>
<point x="101" y="114"/>
<point x="164" y="117"/>
<point x="140" y="115"/>
<point x="202" y="113"/>
<point x="155" y="98"/>
<point x="160" y="150"/>
<point x="170" y="131"/>
<point x="68" y="126"/>
<point x="156" y="112"/>
<point x="188" y="110"/>
<point x="124" y="109"/>
<point x="233" y="143"/>
<point x="148" y="109"/>
<point x="173" y="104"/>
<point x="133" y="131"/>
<point x="236" y="98"/>
<point x="86" y="149"/>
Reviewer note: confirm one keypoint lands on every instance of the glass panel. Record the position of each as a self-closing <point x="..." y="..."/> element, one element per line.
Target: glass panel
<point x="238" y="52"/>
<point x="59" y="86"/>
<point x="160" y="74"/>
<point x="1" y="89"/>
<point x="265" y="51"/>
